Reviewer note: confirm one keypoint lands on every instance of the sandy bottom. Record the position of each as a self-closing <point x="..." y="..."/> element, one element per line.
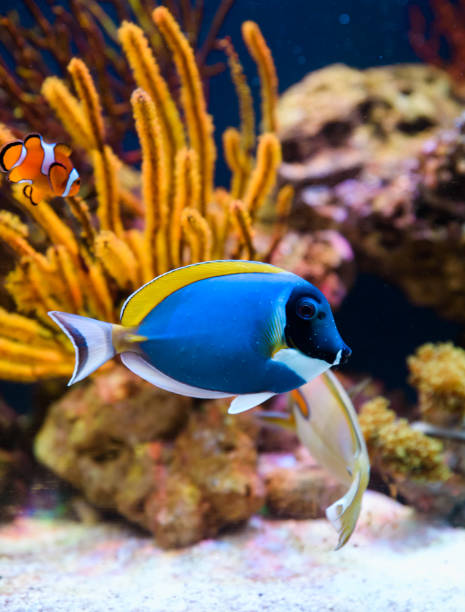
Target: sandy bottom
<point x="395" y="561"/>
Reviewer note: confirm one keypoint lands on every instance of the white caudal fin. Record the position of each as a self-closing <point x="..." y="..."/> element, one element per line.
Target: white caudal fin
<point x="92" y="341"/>
<point x="344" y="513"/>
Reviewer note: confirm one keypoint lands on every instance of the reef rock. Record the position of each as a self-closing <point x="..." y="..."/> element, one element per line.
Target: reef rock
<point x="296" y="487"/>
<point x="14" y="465"/>
<point x="179" y="471"/>
<point x="378" y="156"/>
<point x="325" y="258"/>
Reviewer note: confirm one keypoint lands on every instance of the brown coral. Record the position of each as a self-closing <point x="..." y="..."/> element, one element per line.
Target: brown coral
<point x="375" y="155"/>
<point x="127" y="446"/>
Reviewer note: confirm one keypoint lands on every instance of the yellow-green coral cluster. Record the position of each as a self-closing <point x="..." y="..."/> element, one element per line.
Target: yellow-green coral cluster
<point x="438" y="373"/>
<point x="398" y="451"/>
<point x="176" y="217"/>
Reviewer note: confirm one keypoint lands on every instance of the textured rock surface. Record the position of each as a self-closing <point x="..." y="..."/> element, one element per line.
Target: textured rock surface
<point x="15" y="467"/>
<point x="394" y="562"/>
<point x="375" y="155"/>
<point x="179" y="471"/>
<point x="302" y="492"/>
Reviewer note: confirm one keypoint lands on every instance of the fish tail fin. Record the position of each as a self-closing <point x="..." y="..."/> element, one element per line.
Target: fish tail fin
<point x="92" y="341"/>
<point x="344" y="513"/>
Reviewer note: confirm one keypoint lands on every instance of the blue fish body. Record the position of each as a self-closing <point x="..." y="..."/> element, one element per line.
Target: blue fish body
<point x="215" y="333"/>
<point x="216" y="329"/>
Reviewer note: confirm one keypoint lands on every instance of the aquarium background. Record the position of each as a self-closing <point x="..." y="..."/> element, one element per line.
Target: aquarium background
<point x="115" y="494"/>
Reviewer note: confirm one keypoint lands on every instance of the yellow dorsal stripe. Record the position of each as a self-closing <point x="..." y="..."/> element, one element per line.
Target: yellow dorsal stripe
<point x="139" y="304"/>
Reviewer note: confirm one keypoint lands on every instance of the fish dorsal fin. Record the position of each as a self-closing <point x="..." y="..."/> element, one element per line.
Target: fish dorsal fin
<point x="58" y="177"/>
<point x="33" y="142"/>
<point x="63" y="149"/>
<point x="11" y="155"/>
<point x="142" y="301"/>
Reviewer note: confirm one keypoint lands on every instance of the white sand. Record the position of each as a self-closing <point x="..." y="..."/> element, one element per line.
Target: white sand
<point x="395" y="561"/>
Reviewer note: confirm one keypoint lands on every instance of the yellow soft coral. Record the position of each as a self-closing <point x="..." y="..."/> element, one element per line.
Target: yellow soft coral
<point x="438" y="373"/>
<point x="169" y="216"/>
<point x="398" y="451"/>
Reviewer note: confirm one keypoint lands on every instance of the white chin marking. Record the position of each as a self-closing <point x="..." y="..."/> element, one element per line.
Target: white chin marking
<point x="337" y="361"/>
<point x="306" y="367"/>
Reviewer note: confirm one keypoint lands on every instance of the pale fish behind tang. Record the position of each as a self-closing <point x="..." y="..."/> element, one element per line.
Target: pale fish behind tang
<point x="326" y="423"/>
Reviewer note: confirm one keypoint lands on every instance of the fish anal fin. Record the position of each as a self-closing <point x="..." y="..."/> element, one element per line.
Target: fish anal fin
<point x="10" y="155"/>
<point x="137" y="364"/>
<point x="249" y="400"/>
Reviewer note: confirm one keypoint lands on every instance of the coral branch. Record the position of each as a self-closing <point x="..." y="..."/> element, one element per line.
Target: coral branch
<point x="238" y="161"/>
<point x="261" y="54"/>
<point x="90" y="101"/>
<point x="199" y="123"/>
<point x="68" y="110"/>
<point x="244" y="222"/>
<point x="154" y="164"/>
<point x="187" y="194"/>
<point x="148" y="77"/>
<point x="264" y="174"/>
<point x="198" y="234"/>
<point x="14" y="234"/>
<point x="244" y="96"/>
<point x="106" y="182"/>
<point x="117" y="258"/>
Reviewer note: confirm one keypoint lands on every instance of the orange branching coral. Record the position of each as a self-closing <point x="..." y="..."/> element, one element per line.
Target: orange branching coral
<point x="64" y="30"/>
<point x="144" y="223"/>
<point x="261" y="53"/>
<point x="398" y="451"/>
<point x="448" y="26"/>
<point x="438" y="373"/>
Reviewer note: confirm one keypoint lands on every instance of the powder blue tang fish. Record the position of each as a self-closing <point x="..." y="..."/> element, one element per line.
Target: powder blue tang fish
<point x="216" y="329"/>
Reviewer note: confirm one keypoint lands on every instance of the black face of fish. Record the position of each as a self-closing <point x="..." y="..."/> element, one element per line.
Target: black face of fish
<point x="310" y="326"/>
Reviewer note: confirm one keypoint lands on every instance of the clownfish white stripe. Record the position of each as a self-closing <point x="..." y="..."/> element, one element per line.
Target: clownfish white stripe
<point x="49" y="155"/>
<point x="21" y="158"/>
<point x="73" y="176"/>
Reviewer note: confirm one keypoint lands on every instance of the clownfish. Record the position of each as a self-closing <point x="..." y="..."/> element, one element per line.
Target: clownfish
<point x="324" y="418"/>
<point x="44" y="167"/>
<point x="216" y="329"/>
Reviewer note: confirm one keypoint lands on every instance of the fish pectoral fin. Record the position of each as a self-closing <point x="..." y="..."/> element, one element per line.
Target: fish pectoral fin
<point x="57" y="177"/>
<point x="245" y="402"/>
<point x="280" y="419"/>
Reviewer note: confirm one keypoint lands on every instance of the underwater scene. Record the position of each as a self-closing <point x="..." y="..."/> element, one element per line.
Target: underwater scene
<point x="232" y="305"/>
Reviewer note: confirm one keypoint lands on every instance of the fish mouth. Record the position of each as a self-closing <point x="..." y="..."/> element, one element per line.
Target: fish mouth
<point x="337" y="361"/>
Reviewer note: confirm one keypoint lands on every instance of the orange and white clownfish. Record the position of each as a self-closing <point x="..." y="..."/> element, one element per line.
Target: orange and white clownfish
<point x="44" y="167"/>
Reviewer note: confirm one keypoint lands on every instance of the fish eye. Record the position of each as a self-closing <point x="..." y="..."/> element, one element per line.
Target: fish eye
<point x="306" y="308"/>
